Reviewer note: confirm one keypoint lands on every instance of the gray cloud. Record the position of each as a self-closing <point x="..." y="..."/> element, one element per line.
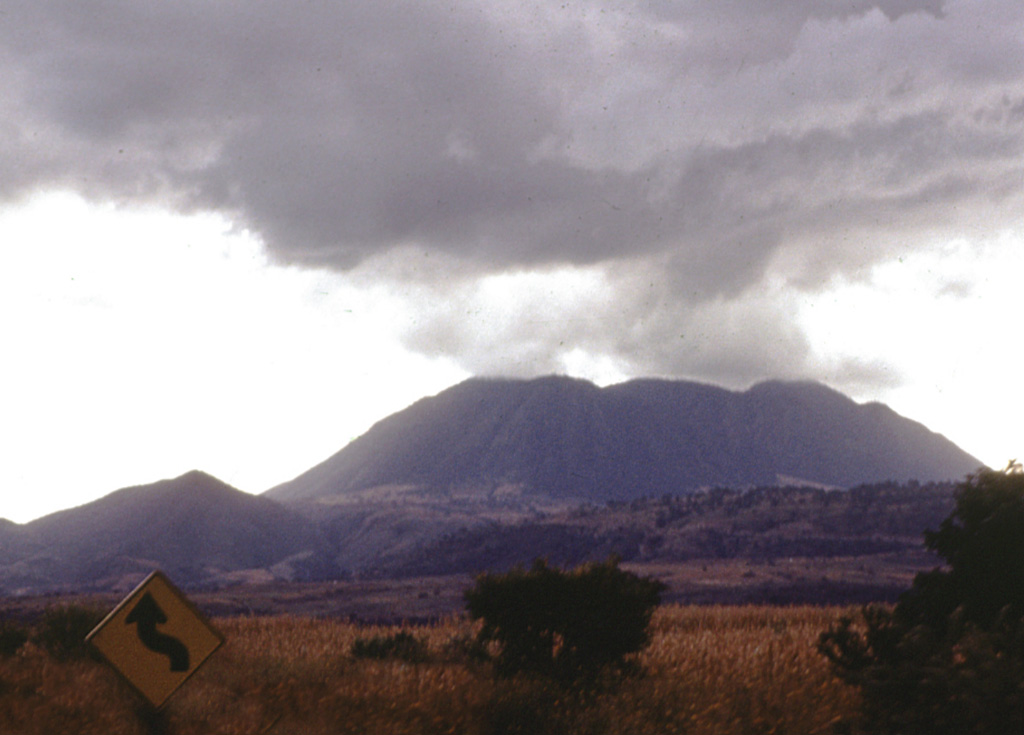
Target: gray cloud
<point x="707" y="147"/>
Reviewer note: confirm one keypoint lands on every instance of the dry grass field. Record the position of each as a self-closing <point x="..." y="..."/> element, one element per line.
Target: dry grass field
<point x="709" y="670"/>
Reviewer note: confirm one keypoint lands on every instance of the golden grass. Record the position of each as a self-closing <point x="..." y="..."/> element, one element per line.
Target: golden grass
<point x="709" y="671"/>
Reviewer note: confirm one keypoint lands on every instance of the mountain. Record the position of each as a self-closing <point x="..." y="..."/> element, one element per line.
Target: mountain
<point x="493" y="472"/>
<point x="194" y="527"/>
<point x="11" y="540"/>
<point x="771" y="544"/>
<point x="566" y="439"/>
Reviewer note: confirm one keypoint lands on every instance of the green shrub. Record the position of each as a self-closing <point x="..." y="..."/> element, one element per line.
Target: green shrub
<point x="564" y="625"/>
<point x="12" y="638"/>
<point x="63" y="628"/>
<point x="949" y="657"/>
<point x="403" y="646"/>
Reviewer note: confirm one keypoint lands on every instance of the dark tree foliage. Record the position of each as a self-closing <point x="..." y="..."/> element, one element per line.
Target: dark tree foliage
<point x="949" y="657"/>
<point x="12" y="638"/>
<point x="63" y="628"/>
<point x="566" y="625"/>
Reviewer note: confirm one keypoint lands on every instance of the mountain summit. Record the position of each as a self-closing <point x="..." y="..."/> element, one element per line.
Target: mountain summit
<point x="568" y="439"/>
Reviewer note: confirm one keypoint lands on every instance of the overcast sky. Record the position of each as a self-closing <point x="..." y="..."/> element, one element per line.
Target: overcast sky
<point x="233" y="235"/>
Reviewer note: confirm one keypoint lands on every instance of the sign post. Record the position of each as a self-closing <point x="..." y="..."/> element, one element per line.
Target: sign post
<point x="155" y="639"/>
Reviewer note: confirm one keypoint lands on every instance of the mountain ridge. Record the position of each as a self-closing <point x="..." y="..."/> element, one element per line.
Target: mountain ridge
<point x="496" y="460"/>
<point x="568" y="438"/>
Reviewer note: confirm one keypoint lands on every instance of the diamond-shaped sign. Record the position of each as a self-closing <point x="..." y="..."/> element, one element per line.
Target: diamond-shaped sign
<point x="156" y="639"/>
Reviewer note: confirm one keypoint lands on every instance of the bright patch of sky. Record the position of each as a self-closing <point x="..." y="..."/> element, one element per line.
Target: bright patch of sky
<point x="141" y="344"/>
<point x="945" y="322"/>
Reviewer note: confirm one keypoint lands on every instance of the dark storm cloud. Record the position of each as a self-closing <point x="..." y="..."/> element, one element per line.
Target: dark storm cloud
<point x="704" y="146"/>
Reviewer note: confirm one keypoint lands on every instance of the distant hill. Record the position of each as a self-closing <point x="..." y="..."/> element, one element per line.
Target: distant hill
<point x="11" y="540"/>
<point x="494" y="472"/>
<point x="780" y="544"/>
<point x="563" y="438"/>
<point x="761" y="525"/>
<point x="194" y="527"/>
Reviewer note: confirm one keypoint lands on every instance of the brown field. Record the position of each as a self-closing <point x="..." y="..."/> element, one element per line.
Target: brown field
<point x="735" y="670"/>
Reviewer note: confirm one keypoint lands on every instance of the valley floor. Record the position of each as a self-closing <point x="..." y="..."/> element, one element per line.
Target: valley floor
<point x="833" y="581"/>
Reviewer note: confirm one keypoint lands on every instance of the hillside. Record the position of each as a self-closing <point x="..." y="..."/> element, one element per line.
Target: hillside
<point x="11" y="540"/>
<point x="778" y="544"/>
<point x="567" y="439"/>
<point x="194" y="527"/>
<point x="760" y="525"/>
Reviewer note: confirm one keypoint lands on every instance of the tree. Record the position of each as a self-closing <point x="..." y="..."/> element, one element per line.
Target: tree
<point x="949" y="657"/>
<point x="565" y="625"/>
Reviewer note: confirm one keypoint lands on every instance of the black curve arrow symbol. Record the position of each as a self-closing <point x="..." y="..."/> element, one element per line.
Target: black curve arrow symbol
<point x="147" y="615"/>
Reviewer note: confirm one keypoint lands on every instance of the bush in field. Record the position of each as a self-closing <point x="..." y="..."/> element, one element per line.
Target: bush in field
<point x="12" y="637"/>
<point x="62" y="631"/>
<point x="566" y="625"/>
<point x="949" y="657"/>
<point x="525" y="707"/>
<point x="403" y="646"/>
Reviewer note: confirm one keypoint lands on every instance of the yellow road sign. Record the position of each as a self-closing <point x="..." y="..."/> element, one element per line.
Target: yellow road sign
<point x="156" y="639"/>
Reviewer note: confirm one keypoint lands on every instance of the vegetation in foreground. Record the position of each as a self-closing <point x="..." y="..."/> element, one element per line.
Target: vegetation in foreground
<point x="707" y="670"/>
<point x="948" y="659"/>
<point x="571" y="626"/>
